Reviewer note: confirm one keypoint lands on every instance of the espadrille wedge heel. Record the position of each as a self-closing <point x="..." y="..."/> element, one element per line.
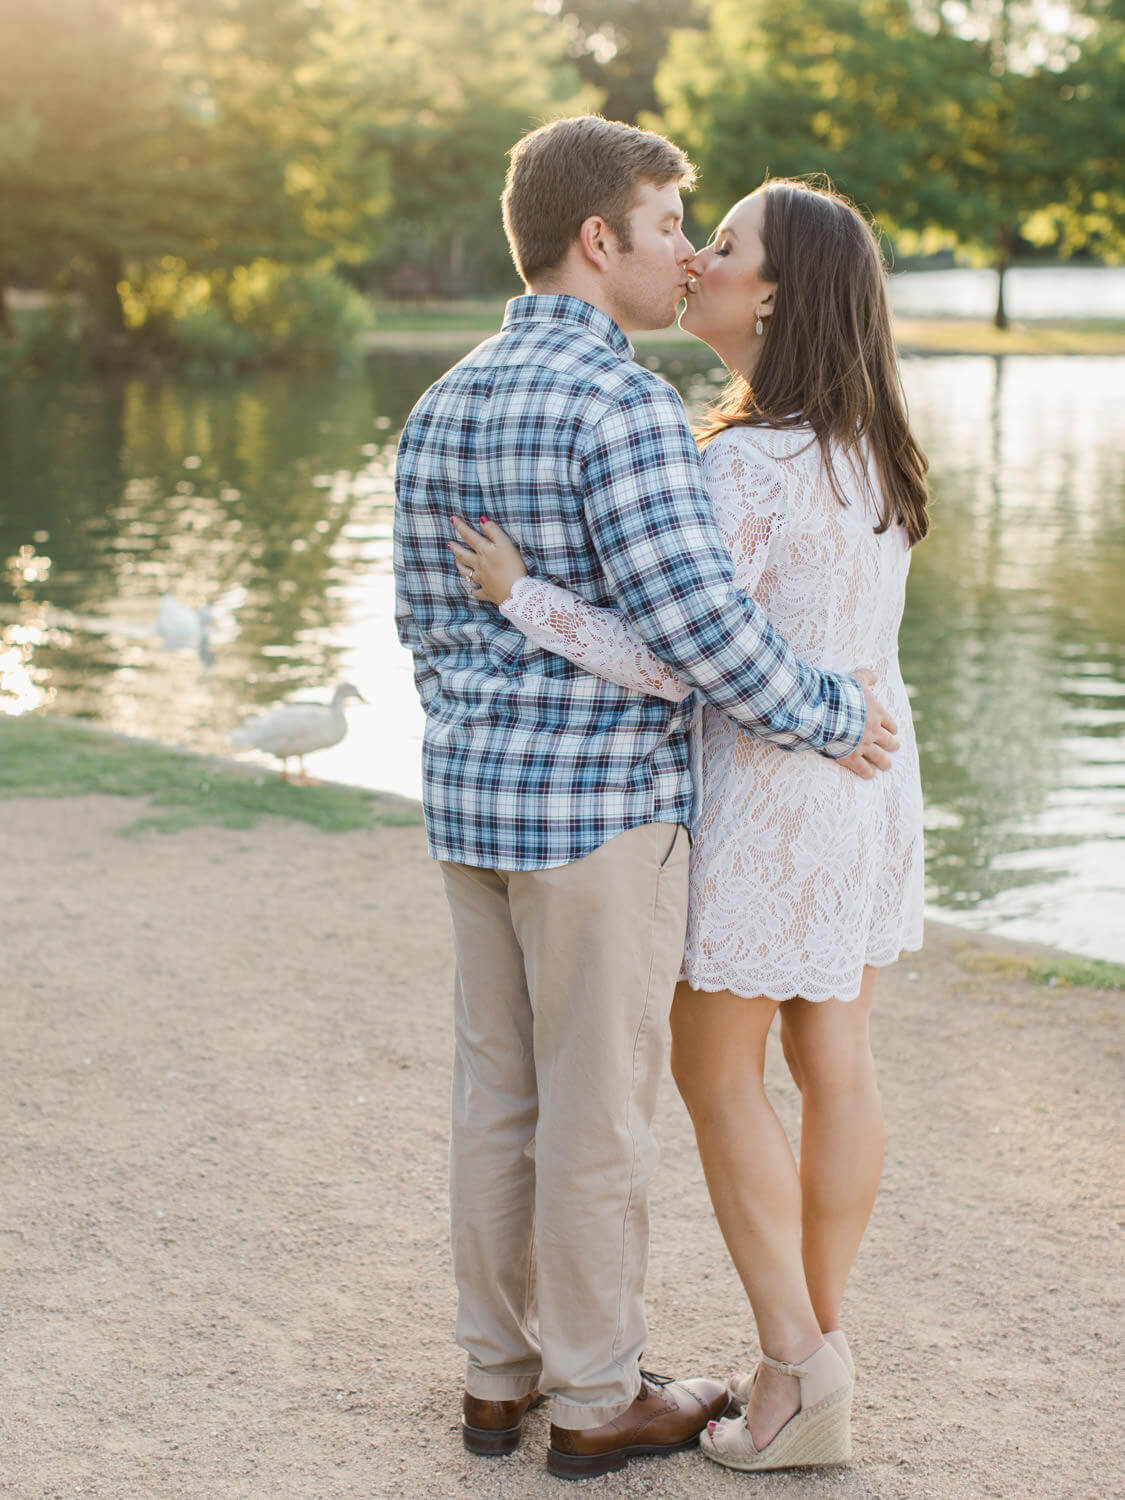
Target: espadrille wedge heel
<point x="820" y="1433"/>
<point x="840" y="1344"/>
<point x="741" y="1384"/>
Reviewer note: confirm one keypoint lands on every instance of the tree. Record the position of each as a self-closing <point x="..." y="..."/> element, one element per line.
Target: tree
<point x="206" y="131"/>
<point x="947" y="132"/>
<point x="618" y="46"/>
<point x="441" y="94"/>
<point x="1085" y="104"/>
<point x="1040" y="146"/>
<point x="164" y="146"/>
<point x="85" y="120"/>
<point x="843" y="87"/>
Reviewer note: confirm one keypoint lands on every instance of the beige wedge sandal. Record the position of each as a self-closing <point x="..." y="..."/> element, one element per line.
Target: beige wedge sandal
<point x="820" y="1433"/>
<point x="740" y="1385"/>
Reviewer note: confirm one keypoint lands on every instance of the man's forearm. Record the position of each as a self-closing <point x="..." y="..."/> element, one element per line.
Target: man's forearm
<point x="784" y="700"/>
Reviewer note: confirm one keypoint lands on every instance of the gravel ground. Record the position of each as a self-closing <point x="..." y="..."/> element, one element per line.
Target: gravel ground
<point x="223" y="1264"/>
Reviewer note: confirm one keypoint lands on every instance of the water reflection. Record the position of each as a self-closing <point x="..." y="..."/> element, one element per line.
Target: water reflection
<point x="211" y="494"/>
<point x="270" y="502"/>
<point x="1029" y="292"/>
<point x="1014" y="642"/>
<point x="24" y="682"/>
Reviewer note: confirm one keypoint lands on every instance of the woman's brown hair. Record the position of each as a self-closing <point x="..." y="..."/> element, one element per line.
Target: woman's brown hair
<point x="828" y="357"/>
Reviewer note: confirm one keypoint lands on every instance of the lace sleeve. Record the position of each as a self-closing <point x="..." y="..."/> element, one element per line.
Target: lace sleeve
<point x="597" y="640"/>
<point x="747" y="489"/>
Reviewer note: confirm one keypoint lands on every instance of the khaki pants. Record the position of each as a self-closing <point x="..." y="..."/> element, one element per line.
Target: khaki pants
<point x="561" y="999"/>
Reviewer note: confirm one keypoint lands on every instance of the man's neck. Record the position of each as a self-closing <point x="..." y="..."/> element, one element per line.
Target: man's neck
<point x="584" y="292"/>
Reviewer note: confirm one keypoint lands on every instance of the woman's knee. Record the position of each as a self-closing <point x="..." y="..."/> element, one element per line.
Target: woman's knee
<point x="718" y="1070"/>
<point x="685" y="1070"/>
<point x="705" y="1081"/>
<point x="827" y="1046"/>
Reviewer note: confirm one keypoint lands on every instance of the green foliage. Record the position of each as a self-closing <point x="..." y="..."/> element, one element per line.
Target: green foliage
<point x="953" y="124"/>
<point x="789" y="87"/>
<point x="442" y="92"/>
<point x="1084" y="104"/>
<point x="258" y="314"/>
<point x="39" y="758"/>
<point x="41" y="339"/>
<point x="1054" y="972"/>
<point x="220" y="134"/>
<point x="618" y="46"/>
<point x="205" y="130"/>
<point x="1088" y="973"/>
<point x="204" y="337"/>
<point x="142" y="140"/>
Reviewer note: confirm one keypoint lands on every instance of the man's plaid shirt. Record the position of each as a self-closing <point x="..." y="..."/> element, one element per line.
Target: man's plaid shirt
<point x="586" y="460"/>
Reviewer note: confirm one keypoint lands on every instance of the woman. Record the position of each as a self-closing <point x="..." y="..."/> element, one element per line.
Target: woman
<point x="804" y="881"/>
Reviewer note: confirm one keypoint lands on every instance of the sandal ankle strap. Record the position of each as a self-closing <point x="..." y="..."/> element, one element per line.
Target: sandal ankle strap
<point x="800" y="1371"/>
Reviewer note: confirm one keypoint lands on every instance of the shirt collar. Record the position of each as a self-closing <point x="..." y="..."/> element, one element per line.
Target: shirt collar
<point x="554" y="307"/>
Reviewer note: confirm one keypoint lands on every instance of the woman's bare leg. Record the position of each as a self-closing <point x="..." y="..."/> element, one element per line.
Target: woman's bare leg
<point x="718" y="1060"/>
<point x="827" y="1046"/>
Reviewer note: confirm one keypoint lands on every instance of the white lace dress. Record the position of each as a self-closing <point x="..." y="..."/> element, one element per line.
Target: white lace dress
<point x="801" y="873"/>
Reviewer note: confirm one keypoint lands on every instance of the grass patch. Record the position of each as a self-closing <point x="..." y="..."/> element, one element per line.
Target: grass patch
<point x="454" y="327"/>
<point x="1084" y="973"/>
<point x="40" y="758"/>
<point x="482" y="317"/>
<point x="978" y="336"/>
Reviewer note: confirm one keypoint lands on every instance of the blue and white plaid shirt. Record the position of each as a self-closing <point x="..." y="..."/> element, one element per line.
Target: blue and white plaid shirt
<point x="586" y="460"/>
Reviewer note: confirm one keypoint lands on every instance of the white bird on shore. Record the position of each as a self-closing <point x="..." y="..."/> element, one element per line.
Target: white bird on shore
<point x="179" y="626"/>
<point x="297" y="729"/>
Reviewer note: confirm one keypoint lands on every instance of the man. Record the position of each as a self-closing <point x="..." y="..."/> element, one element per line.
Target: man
<point x="556" y="801"/>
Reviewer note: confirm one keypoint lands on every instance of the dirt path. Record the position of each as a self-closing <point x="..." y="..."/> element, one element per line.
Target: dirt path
<point x="223" y="1266"/>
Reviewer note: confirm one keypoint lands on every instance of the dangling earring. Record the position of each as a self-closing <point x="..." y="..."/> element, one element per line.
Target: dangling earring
<point x="759" y="327"/>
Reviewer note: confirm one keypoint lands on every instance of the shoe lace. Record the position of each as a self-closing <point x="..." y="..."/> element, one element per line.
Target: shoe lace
<point x="649" y="1378"/>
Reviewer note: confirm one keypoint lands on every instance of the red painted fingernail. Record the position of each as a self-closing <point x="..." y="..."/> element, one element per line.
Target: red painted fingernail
<point x="484" y="520"/>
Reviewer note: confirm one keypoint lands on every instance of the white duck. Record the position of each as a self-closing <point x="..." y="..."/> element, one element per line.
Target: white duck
<point x="297" y="729"/>
<point x="180" y="626"/>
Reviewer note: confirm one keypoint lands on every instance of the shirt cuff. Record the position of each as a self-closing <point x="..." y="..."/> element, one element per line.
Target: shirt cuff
<point x="850" y="718"/>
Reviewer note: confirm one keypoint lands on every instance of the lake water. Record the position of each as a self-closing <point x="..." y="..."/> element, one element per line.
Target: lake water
<point x="1032" y="292"/>
<point x="271" y="498"/>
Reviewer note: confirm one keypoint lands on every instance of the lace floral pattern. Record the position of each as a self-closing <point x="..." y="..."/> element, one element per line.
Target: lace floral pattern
<point x="598" y="640"/>
<point x="801" y="873"/>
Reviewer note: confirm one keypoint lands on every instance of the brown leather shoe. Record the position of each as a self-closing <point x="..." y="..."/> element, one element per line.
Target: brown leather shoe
<point x="491" y="1427"/>
<point x="666" y="1417"/>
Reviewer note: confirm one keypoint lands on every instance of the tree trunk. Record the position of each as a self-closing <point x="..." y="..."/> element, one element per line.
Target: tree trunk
<point x="106" y="312"/>
<point x="455" y="280"/>
<point x="1005" y="244"/>
<point x="7" y="332"/>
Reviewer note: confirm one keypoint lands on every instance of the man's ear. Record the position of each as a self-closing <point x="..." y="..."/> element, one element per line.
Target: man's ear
<point x="595" y="240"/>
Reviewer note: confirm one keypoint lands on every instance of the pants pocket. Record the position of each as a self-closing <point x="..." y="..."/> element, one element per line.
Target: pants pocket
<point x="677" y="829"/>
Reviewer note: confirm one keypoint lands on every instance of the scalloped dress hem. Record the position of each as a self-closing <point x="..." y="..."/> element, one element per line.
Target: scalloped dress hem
<point x="709" y="988"/>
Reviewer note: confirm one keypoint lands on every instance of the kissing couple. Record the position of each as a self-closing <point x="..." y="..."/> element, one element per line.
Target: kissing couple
<point x="661" y="786"/>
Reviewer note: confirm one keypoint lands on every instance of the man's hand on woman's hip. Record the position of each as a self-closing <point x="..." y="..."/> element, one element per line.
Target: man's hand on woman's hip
<point x="879" y="742"/>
